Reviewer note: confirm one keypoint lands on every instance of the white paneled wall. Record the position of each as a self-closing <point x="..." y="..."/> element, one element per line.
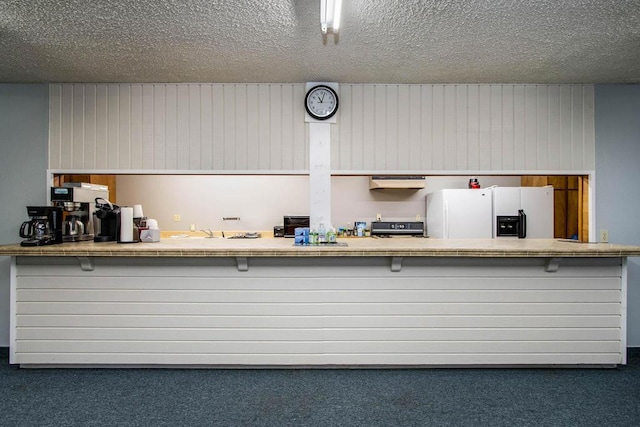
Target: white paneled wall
<point x="260" y="128"/>
<point x="177" y="127"/>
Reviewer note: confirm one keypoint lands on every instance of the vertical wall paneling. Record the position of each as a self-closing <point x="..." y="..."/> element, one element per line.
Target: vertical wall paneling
<point x="473" y="127"/>
<point x="288" y="106"/>
<point x="183" y="123"/>
<point x="340" y="153"/>
<point x="565" y="123"/>
<point x="461" y="127"/>
<point x="124" y="127"/>
<point x="77" y="123"/>
<point x="171" y="127"/>
<point x="381" y="127"/>
<point x="450" y="123"/>
<point x="519" y="130"/>
<point x="497" y="160"/>
<point x="194" y="112"/>
<point x="89" y="131"/>
<point x="113" y="124"/>
<point x="368" y="152"/>
<point x="299" y="129"/>
<point x="206" y="128"/>
<point x="437" y="135"/>
<point x="577" y="134"/>
<point x="414" y="124"/>
<point x="241" y="143"/>
<point x="391" y="141"/>
<point x="253" y="128"/>
<point x="275" y="126"/>
<point x="484" y="119"/>
<point x="55" y="124"/>
<point x="218" y="120"/>
<point x="542" y="128"/>
<point x="155" y="156"/>
<point x="555" y="149"/>
<point x="141" y="126"/>
<point x="66" y="123"/>
<point x="506" y="123"/>
<point x="264" y="117"/>
<point x="589" y="127"/>
<point x="102" y="97"/>
<point x="531" y="129"/>
<point x="403" y="127"/>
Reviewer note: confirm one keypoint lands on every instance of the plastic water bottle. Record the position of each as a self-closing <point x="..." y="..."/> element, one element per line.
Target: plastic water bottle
<point x="322" y="234"/>
<point x="331" y="235"/>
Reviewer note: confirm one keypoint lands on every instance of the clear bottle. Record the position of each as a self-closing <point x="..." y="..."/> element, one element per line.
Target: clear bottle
<point x="322" y="233"/>
<point x="331" y="234"/>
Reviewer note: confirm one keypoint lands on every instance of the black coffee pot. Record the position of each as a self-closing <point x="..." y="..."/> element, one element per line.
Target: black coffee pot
<point x="44" y="228"/>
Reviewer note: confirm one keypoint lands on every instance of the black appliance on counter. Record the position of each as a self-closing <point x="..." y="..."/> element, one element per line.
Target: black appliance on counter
<point x="106" y="221"/>
<point x="78" y="207"/>
<point x="44" y="228"/>
<point x="293" y="222"/>
<point x="399" y="228"/>
<point x="512" y="226"/>
<point x="278" y="231"/>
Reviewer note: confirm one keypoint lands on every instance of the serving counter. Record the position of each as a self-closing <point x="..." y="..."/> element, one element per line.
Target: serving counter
<point x="266" y="302"/>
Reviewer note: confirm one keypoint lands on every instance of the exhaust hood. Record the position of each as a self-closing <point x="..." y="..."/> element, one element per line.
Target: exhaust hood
<point x="412" y="182"/>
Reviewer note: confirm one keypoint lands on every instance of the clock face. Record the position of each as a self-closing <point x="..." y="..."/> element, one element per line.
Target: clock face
<point x="321" y="102"/>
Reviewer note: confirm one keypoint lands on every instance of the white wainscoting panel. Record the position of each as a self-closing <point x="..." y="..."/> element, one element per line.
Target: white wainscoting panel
<point x="318" y="311"/>
<point x="380" y="127"/>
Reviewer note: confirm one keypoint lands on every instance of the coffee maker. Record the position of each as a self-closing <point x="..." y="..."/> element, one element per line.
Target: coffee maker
<point x="78" y="203"/>
<point x="106" y="221"/>
<point x="44" y="228"/>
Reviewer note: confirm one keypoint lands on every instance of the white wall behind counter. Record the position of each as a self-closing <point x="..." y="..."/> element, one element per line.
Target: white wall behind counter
<point x="260" y="201"/>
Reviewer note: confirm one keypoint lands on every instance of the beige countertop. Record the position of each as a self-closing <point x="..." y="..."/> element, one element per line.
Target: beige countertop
<point x="366" y="246"/>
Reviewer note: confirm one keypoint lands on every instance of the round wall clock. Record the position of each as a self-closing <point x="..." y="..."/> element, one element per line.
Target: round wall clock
<point x="321" y="102"/>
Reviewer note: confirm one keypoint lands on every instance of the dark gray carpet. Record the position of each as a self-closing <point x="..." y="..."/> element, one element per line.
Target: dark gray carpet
<point x="332" y="397"/>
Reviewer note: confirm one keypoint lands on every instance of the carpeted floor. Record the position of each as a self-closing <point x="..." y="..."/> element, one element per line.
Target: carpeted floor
<point x="316" y="397"/>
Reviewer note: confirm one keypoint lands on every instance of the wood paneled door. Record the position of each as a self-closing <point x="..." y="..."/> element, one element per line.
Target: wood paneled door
<point x="571" y="203"/>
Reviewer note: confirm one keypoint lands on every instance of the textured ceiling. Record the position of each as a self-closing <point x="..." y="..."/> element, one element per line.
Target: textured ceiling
<point x="381" y="41"/>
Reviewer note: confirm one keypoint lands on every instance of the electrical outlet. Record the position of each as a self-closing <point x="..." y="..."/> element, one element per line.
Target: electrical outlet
<point x="418" y="218"/>
<point x="192" y="227"/>
<point x="604" y="235"/>
<point x="378" y="217"/>
<point x="176" y="218"/>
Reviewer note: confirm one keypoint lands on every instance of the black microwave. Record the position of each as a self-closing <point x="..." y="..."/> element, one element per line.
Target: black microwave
<point x="293" y="222"/>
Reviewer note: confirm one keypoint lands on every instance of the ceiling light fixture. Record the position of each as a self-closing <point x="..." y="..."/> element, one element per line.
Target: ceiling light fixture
<point x="330" y="11"/>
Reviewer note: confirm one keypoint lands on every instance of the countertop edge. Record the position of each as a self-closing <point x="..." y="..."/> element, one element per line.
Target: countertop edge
<point x="490" y="248"/>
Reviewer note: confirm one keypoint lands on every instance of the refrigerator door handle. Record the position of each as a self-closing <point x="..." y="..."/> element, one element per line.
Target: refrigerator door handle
<point x="522" y="229"/>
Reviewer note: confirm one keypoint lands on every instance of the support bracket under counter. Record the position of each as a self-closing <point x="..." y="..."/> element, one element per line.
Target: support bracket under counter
<point x="86" y="263"/>
<point x="551" y="265"/>
<point x="243" y="263"/>
<point x="396" y="264"/>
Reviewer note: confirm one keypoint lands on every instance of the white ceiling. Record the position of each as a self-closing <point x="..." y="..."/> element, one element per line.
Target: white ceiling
<point x="381" y="41"/>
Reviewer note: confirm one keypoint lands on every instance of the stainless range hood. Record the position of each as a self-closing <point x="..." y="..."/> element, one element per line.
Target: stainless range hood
<point x="411" y="182"/>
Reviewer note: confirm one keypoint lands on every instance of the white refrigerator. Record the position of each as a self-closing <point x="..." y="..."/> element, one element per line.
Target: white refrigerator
<point x="459" y="214"/>
<point x="535" y="204"/>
